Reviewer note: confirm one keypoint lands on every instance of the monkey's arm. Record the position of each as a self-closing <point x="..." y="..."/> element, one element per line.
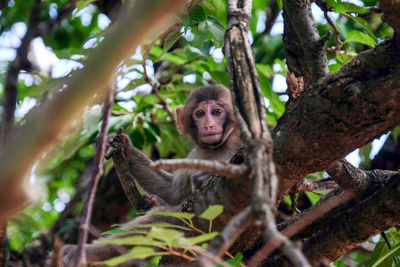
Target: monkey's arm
<point x="158" y="182"/>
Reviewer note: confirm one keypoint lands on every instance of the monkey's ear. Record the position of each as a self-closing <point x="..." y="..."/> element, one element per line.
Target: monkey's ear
<point x="179" y="119"/>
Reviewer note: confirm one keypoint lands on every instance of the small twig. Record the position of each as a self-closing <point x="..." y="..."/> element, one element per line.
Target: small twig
<point x="333" y="49"/>
<point x="272" y="15"/>
<point x="58" y="246"/>
<point x="155" y="88"/>
<point x="211" y="166"/>
<point x="325" y="8"/>
<point x="181" y="254"/>
<point x="307" y="185"/>
<point x="3" y="242"/>
<point x="97" y="173"/>
<point x="214" y="259"/>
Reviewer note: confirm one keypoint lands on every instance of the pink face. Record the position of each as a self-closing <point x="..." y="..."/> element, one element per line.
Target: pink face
<point x="209" y="118"/>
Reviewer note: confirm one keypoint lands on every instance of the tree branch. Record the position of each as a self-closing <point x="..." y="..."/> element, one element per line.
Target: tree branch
<point x="250" y="111"/>
<point x="97" y="173"/>
<point x="346" y="226"/>
<point x="45" y="125"/>
<point x="336" y="110"/>
<point x="272" y="15"/>
<point x="211" y="166"/>
<point x="304" y="48"/>
<point x="154" y="87"/>
<point x="348" y="176"/>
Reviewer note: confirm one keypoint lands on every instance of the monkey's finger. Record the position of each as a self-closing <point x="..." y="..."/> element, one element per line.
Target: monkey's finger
<point x="109" y="152"/>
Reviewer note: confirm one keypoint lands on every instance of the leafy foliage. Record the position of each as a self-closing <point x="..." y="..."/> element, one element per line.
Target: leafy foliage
<point x="168" y="239"/>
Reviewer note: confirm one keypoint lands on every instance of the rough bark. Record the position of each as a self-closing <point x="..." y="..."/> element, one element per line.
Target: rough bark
<point x="350" y="224"/>
<point x="340" y="113"/>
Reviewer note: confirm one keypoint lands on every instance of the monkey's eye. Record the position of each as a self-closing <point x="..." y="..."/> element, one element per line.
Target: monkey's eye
<point x="199" y="113"/>
<point x="217" y="112"/>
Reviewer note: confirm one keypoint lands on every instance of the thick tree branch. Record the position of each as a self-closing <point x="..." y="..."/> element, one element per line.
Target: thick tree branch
<point x="345" y="110"/>
<point x="304" y="48"/>
<point x="346" y="226"/>
<point x="354" y="180"/>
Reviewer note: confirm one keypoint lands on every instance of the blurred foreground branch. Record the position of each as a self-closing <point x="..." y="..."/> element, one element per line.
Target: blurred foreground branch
<point x="48" y="122"/>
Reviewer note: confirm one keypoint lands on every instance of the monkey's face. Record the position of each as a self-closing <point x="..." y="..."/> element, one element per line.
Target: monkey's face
<point x="209" y="118"/>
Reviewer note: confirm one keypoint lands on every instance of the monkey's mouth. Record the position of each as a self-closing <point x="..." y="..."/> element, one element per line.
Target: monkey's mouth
<point x="211" y="139"/>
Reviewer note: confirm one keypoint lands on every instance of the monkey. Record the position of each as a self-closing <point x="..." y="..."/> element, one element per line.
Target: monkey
<point x="208" y="119"/>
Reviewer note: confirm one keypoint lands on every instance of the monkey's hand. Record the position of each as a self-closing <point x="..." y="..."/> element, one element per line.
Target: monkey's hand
<point x="115" y="144"/>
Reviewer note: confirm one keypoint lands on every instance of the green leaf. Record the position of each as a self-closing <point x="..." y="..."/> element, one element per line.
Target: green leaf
<point x="137" y="138"/>
<point x="266" y="70"/>
<point x="365" y="24"/>
<point x="137" y="240"/>
<point x="135" y="253"/>
<point x="237" y="261"/>
<point x="159" y="225"/>
<point x="212" y="212"/>
<point x="202" y="238"/>
<point x="364" y="153"/>
<point x="171" y="40"/>
<point x="385" y="256"/>
<point x="179" y="215"/>
<point x="396" y="134"/>
<point x="116" y="232"/>
<point x="379" y="250"/>
<point x="207" y="47"/>
<point x="216" y="28"/>
<point x="221" y="76"/>
<point x="360" y="37"/>
<point x="332" y="3"/>
<point x="81" y="4"/>
<point x="350" y="8"/>
<point x="160" y="55"/>
<point x="169" y="236"/>
<point x="313" y="197"/>
<point x="280" y="4"/>
<point x="334" y="67"/>
<point x="196" y="15"/>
